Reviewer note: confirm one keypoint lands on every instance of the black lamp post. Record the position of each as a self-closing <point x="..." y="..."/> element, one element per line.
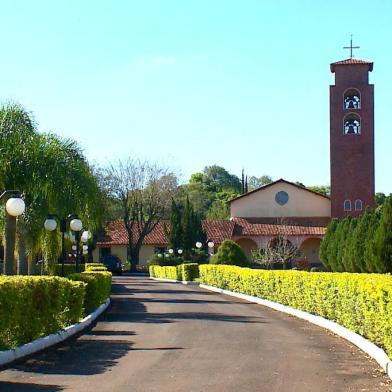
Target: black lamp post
<point x="14" y="207"/>
<point x="75" y="225"/>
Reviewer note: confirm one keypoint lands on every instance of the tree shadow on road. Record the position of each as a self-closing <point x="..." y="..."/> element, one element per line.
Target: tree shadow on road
<point x="80" y="357"/>
<point x="28" y="387"/>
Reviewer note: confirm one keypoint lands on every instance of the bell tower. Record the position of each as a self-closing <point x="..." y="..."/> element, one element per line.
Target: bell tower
<point x="351" y="137"/>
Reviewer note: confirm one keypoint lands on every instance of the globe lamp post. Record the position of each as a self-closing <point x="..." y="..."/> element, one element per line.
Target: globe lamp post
<point x="14" y="207"/>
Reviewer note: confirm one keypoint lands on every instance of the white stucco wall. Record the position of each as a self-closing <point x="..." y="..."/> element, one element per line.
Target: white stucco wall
<point x="301" y="203"/>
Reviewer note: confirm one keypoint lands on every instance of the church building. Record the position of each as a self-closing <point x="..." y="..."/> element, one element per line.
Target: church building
<point x="284" y="208"/>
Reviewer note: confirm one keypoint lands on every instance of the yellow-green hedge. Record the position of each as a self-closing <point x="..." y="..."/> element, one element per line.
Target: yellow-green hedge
<point x="35" y="306"/>
<point x="360" y="302"/>
<point x="185" y="272"/>
<point x="98" y="288"/>
<point x="156" y="271"/>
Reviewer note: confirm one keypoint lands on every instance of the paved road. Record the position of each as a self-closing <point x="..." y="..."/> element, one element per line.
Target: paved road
<point x="168" y="337"/>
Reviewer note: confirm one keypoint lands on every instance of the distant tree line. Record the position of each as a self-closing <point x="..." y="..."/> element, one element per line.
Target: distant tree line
<point x="361" y="244"/>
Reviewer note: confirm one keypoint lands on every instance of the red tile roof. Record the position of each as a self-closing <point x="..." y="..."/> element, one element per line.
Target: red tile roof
<point x="116" y="234"/>
<point x="352" y="61"/>
<point x="245" y="228"/>
<point x="216" y="230"/>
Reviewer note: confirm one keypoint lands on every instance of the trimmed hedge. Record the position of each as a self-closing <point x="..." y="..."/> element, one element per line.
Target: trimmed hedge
<point x="98" y="288"/>
<point x="35" y="306"/>
<point x="360" y="302"/>
<point x="95" y="267"/>
<point x="156" y="271"/>
<point x="183" y="272"/>
<point x="188" y="271"/>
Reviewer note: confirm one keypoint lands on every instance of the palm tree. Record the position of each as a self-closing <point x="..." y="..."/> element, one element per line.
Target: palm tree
<point x="53" y="176"/>
<point x="17" y="129"/>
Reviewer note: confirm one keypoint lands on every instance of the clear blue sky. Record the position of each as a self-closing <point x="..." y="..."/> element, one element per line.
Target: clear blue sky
<point x="241" y="84"/>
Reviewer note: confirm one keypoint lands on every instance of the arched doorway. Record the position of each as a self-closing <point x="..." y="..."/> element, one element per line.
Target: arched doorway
<point x="247" y="245"/>
<point x="310" y="249"/>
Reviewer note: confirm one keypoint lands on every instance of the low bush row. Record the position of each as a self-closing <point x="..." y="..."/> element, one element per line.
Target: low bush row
<point x="98" y="285"/>
<point x="35" y="306"/>
<point x="360" y="302"/>
<point x="183" y="272"/>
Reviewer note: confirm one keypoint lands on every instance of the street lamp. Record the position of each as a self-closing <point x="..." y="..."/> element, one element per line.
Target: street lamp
<point x="14" y="207"/>
<point x="75" y="225"/>
<point x="180" y="251"/>
<point x="198" y="244"/>
<point x="171" y="251"/>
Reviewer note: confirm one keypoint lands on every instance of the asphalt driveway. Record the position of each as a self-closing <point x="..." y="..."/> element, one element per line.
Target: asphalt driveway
<point x="169" y="337"/>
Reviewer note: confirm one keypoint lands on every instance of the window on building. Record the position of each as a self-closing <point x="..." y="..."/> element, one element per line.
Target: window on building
<point x="347" y="205"/>
<point x="352" y="124"/>
<point x="358" y="205"/>
<point x="352" y="99"/>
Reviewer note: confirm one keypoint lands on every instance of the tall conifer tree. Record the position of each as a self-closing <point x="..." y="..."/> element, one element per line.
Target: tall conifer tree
<point x="383" y="238"/>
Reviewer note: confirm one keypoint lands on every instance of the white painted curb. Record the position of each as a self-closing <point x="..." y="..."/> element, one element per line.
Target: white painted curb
<point x="365" y="345"/>
<point x="50" y="340"/>
<point x="186" y="282"/>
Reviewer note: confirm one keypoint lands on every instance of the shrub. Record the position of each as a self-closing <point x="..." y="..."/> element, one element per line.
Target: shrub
<point x="91" y="267"/>
<point x="169" y="272"/>
<point x="35" y="306"/>
<point x="165" y="260"/>
<point x="184" y="272"/>
<point x="97" y="290"/>
<point x="188" y="271"/>
<point x="360" y="302"/>
<point x="230" y="253"/>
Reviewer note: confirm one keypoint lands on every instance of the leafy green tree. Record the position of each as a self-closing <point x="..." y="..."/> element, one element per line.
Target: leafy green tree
<point x="326" y="245"/>
<point x="383" y="238"/>
<point x="176" y="234"/>
<point x="257" y="182"/>
<point x="346" y="247"/>
<point x="380" y="198"/>
<point x="229" y="252"/>
<point x="370" y="257"/>
<point x="219" y="210"/>
<point x="218" y="178"/>
<point x="323" y="189"/>
<point x="356" y="248"/>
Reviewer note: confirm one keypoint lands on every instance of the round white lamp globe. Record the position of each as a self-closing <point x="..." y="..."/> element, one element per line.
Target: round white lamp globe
<point x="85" y="248"/>
<point x="85" y="236"/>
<point x="73" y="247"/>
<point x="50" y="224"/>
<point x="210" y="244"/>
<point x="171" y="251"/>
<point x="15" y="206"/>
<point x="198" y="244"/>
<point x="76" y="225"/>
<point x="180" y="251"/>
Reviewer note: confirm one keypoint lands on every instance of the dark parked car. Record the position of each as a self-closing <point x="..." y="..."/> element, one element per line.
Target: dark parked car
<point x="113" y="264"/>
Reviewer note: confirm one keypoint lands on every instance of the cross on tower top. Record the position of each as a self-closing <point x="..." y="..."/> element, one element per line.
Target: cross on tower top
<point x="351" y="47"/>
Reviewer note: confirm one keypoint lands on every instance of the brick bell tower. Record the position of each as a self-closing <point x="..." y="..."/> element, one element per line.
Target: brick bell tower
<point x="351" y="137"/>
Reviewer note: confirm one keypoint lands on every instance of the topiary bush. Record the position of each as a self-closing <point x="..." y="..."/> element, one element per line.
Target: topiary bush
<point x="229" y="252"/>
<point x="35" y="306"/>
<point x="98" y="288"/>
<point x="360" y="302"/>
